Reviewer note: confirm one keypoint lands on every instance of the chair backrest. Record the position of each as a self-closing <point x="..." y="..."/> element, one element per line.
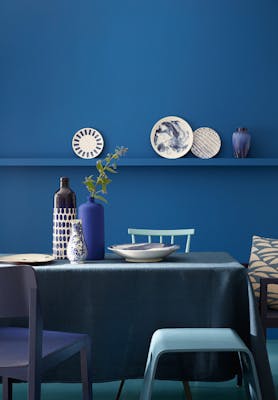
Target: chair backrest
<point x="16" y="283"/>
<point x="161" y="233"/>
<point x="19" y="297"/>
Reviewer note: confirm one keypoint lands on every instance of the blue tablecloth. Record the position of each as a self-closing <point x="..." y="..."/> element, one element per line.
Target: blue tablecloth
<point x="121" y="304"/>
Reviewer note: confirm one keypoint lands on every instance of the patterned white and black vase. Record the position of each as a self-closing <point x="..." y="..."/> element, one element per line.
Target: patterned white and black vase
<point x="76" y="250"/>
<point x="241" y="142"/>
<point x="64" y="212"/>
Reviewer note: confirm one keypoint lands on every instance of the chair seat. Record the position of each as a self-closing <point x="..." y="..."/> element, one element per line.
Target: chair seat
<point x="197" y="339"/>
<point x="14" y="345"/>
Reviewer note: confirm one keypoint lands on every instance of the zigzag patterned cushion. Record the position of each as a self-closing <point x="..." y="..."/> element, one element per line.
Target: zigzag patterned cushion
<point x="263" y="263"/>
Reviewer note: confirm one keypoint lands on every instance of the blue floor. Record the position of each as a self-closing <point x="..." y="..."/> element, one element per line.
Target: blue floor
<point x="163" y="390"/>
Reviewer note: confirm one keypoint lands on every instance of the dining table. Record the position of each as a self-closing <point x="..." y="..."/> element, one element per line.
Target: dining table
<point x="121" y="304"/>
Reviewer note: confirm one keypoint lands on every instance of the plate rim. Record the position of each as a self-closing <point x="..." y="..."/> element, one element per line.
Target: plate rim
<point x="149" y="254"/>
<point x="114" y="247"/>
<point x="169" y="118"/>
<point x="5" y="258"/>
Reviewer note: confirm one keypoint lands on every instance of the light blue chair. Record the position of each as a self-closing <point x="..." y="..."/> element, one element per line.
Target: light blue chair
<point x="163" y="233"/>
<point x="174" y="340"/>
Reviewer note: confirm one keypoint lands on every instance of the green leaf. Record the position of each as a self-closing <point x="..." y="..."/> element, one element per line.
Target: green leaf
<point x="89" y="179"/>
<point x="112" y="170"/>
<point x="99" y="166"/>
<point x="106" y="180"/>
<point x="91" y="188"/>
<point x="97" y="196"/>
<point x="103" y="188"/>
<point x="90" y="184"/>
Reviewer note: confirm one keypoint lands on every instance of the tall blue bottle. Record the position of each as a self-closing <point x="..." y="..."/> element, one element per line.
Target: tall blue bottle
<point x="92" y="216"/>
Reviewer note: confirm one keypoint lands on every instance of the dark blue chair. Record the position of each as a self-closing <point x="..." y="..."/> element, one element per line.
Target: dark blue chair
<point x="26" y="353"/>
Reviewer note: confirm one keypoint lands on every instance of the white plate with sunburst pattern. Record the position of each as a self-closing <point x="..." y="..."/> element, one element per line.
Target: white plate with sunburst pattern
<point x="87" y="143"/>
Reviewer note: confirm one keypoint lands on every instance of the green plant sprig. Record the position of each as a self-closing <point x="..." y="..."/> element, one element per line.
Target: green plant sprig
<point x="99" y="184"/>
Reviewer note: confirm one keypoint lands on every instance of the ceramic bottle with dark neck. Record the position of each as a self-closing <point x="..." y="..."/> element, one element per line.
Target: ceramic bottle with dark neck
<point x="64" y="211"/>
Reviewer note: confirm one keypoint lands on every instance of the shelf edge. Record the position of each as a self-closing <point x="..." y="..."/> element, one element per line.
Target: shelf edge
<point x="141" y="162"/>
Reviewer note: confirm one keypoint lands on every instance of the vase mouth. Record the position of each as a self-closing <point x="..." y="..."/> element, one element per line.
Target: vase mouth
<point x="76" y="221"/>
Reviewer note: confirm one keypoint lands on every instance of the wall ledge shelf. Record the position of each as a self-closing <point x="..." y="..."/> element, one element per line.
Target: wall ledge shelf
<point x="142" y="162"/>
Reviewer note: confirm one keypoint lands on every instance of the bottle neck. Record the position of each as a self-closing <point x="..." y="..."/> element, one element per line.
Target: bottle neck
<point x="64" y="197"/>
<point x="242" y="130"/>
<point x="64" y="182"/>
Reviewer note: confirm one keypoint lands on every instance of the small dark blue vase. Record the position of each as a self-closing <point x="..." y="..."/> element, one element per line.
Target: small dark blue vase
<point x="92" y="217"/>
<point x="241" y="142"/>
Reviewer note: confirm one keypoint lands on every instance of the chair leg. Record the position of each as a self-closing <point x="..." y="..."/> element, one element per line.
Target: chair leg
<point x="239" y="379"/>
<point x="86" y="371"/>
<point x="264" y="331"/>
<point x="149" y="376"/>
<point x="120" y="389"/>
<point x="7" y="388"/>
<point x="251" y="381"/>
<point x="34" y="389"/>
<point x="187" y="390"/>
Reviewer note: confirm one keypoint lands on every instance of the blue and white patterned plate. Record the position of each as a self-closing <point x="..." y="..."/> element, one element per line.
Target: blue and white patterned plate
<point x="143" y="252"/>
<point x="87" y="143"/>
<point x="171" y="137"/>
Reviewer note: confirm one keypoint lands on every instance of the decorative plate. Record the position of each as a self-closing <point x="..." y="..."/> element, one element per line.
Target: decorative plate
<point x="171" y="137"/>
<point x="26" y="259"/>
<point x="143" y="252"/>
<point x="87" y="143"/>
<point x="206" y="143"/>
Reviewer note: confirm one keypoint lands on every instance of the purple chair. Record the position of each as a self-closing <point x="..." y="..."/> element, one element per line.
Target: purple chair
<point x="26" y="353"/>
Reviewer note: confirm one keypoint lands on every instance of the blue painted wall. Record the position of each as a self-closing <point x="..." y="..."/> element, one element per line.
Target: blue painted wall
<point x="119" y="66"/>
